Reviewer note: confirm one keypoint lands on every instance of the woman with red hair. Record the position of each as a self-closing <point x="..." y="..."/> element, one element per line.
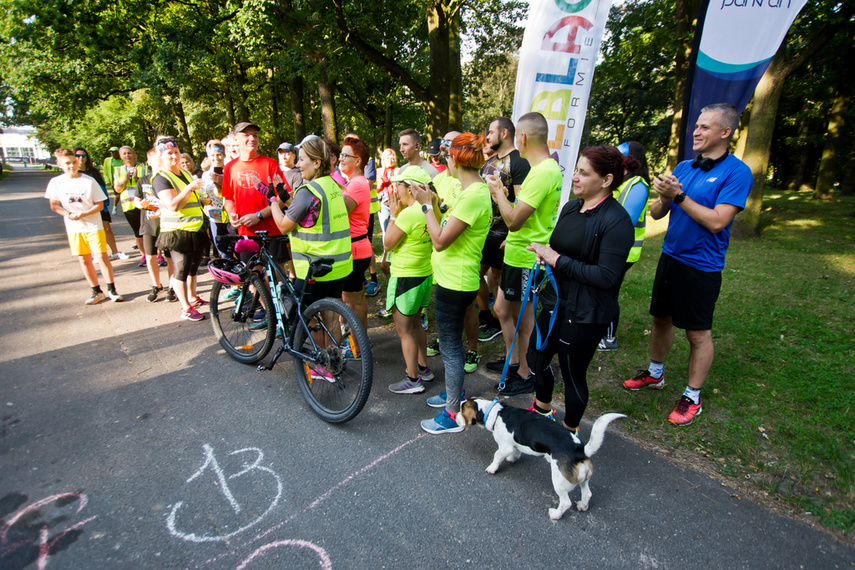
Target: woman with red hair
<point x="458" y="238"/>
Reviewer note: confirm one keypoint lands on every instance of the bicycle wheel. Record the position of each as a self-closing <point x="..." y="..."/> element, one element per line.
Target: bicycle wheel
<point x="337" y="385"/>
<point x="244" y="339"/>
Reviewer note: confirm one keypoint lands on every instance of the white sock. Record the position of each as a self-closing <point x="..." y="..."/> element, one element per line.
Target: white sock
<point x="656" y="368"/>
<point x="693" y="395"/>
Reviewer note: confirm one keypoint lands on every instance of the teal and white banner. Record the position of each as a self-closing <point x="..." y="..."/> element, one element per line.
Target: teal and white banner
<point x="735" y="40"/>
<point x="557" y="59"/>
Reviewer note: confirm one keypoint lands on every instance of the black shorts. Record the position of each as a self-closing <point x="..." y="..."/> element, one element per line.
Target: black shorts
<point x="150" y="245"/>
<point x="318" y="290"/>
<point x="492" y="254"/>
<point x="685" y="294"/>
<point x="133" y="217"/>
<point x="105" y="215"/>
<point x="513" y="282"/>
<point x="371" y="227"/>
<point x="353" y="283"/>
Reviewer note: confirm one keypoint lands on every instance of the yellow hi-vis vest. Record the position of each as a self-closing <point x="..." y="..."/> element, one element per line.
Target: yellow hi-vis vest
<point x="329" y="237"/>
<point x="621" y="195"/>
<point x="189" y="217"/>
<point x="126" y="198"/>
<point x="375" y="200"/>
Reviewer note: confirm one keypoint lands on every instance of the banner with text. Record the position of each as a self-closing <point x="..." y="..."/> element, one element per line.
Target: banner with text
<point x="735" y="40"/>
<point x="557" y="58"/>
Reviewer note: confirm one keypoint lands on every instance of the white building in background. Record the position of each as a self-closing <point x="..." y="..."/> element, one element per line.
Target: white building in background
<point x="20" y="143"/>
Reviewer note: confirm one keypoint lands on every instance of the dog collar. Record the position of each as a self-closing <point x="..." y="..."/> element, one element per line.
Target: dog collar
<point x="487" y="413"/>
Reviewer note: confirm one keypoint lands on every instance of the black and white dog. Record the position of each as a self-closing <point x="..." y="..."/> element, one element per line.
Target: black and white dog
<point x="518" y="431"/>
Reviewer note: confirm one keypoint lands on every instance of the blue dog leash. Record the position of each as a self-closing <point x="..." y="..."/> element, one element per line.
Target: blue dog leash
<point x="531" y="289"/>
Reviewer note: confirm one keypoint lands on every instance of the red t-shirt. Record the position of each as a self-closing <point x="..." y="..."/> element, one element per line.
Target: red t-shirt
<point x="250" y="184"/>
<point x="359" y="191"/>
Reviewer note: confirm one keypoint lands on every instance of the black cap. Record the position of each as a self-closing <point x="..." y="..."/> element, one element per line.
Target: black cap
<point x="433" y="147"/>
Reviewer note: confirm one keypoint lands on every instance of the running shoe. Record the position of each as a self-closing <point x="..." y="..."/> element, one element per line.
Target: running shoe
<point x="424" y="321"/>
<point x="122" y="255"/>
<point x="438" y="401"/>
<point x="96" y="298"/>
<point x="260" y="315"/>
<point x="160" y="261"/>
<point x="142" y="262"/>
<point x="200" y="302"/>
<point x="471" y="363"/>
<point x="433" y="348"/>
<point x="192" y="314"/>
<point x="441" y="423"/>
<point x="425" y="373"/>
<point x="384" y="313"/>
<point x="115" y="297"/>
<point x="685" y="411"/>
<point x="152" y="297"/>
<point x="372" y="289"/>
<point x="321" y="374"/>
<point x="407" y="386"/>
<point x="171" y="296"/>
<point x="642" y="379"/>
<point x="498" y="365"/>
<point x="258" y="325"/>
<point x="232" y="294"/>
<point x="488" y="333"/>
<point x="550" y="415"/>
<point x="516" y="384"/>
<point x="607" y="345"/>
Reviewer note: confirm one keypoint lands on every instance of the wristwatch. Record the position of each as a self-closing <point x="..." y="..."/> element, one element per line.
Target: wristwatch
<point x="425" y="208"/>
<point x="678" y="199"/>
<point x="260" y="215"/>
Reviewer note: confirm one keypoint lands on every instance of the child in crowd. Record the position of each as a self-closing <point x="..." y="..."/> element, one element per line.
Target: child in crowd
<point x="79" y="199"/>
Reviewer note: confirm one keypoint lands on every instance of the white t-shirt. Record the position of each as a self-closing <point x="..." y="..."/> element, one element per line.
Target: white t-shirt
<point x="77" y="195"/>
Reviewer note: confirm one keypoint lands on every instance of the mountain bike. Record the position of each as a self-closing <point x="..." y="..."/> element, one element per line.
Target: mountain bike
<point x="254" y="303"/>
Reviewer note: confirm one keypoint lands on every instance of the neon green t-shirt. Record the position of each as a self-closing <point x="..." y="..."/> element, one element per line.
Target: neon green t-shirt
<point x="411" y="258"/>
<point x="447" y="187"/>
<point x="542" y="191"/>
<point x="458" y="267"/>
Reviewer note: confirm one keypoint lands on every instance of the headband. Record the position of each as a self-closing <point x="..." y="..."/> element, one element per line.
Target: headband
<point x="216" y="148"/>
<point x="165" y="144"/>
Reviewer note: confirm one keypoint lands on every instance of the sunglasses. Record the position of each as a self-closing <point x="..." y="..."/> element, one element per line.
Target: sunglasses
<point x="81" y="156"/>
<point x="445" y="142"/>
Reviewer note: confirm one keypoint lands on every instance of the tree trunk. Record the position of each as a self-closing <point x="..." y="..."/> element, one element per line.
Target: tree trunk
<point x="181" y="123"/>
<point x="761" y="126"/>
<point x="230" y="111"/>
<point x="796" y="173"/>
<point x="437" y="105"/>
<point x="686" y="14"/>
<point x="389" y="119"/>
<point x="828" y="165"/>
<point x="455" y="103"/>
<point x="326" y="91"/>
<point x="297" y="109"/>
<point x="274" y="108"/>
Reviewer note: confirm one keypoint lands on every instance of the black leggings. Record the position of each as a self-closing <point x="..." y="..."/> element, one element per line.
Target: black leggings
<point x="575" y="345"/>
<point x="185" y="264"/>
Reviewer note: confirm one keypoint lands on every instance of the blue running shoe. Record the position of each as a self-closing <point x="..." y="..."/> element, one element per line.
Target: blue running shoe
<point x="258" y="325"/>
<point x="438" y="401"/>
<point x="441" y="423"/>
<point x="260" y="315"/>
<point x="372" y="289"/>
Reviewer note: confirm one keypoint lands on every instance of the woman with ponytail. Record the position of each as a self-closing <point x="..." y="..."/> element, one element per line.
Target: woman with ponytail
<point x="458" y="238"/>
<point x="587" y="253"/>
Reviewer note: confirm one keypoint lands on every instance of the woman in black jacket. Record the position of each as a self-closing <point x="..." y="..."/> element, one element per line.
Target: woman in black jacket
<point x="587" y="251"/>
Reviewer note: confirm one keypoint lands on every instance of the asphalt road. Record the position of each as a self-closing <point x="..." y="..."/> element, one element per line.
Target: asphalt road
<point x="130" y="440"/>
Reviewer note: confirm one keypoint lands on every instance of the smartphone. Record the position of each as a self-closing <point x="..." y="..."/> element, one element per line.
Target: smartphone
<point x="218" y="170"/>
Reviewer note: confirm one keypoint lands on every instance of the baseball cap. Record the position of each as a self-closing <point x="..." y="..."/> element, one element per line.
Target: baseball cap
<point x="433" y="147"/>
<point x="241" y="127"/>
<point x="306" y="139"/>
<point x="412" y="174"/>
<point x="287" y="147"/>
<point x="114" y="149"/>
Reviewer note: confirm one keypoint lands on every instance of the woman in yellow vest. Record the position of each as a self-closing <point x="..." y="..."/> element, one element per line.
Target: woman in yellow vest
<point x="181" y="225"/>
<point x="125" y="178"/>
<point x="632" y="195"/>
<point x="318" y="222"/>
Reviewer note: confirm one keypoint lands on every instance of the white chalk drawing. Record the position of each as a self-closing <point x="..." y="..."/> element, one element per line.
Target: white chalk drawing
<point x="222" y="481"/>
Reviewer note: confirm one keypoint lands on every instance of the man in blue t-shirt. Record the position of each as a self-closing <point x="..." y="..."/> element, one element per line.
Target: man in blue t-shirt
<point x="702" y="196"/>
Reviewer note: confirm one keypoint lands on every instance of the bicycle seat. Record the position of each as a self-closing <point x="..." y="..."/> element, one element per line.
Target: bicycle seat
<point x="320" y="266"/>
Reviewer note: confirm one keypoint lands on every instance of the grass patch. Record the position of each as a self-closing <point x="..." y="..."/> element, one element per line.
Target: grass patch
<point x="779" y="405"/>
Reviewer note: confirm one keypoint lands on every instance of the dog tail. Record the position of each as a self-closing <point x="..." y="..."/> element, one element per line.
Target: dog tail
<point x="598" y="432"/>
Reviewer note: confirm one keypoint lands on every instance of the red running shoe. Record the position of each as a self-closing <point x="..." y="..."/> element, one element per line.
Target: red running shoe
<point x="685" y="412"/>
<point x="642" y="379"/>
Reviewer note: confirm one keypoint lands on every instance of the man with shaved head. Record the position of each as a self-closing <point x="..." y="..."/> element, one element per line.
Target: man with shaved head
<point x="530" y="218"/>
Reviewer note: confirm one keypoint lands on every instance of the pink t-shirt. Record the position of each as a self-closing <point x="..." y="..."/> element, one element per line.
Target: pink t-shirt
<point x="359" y="191"/>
